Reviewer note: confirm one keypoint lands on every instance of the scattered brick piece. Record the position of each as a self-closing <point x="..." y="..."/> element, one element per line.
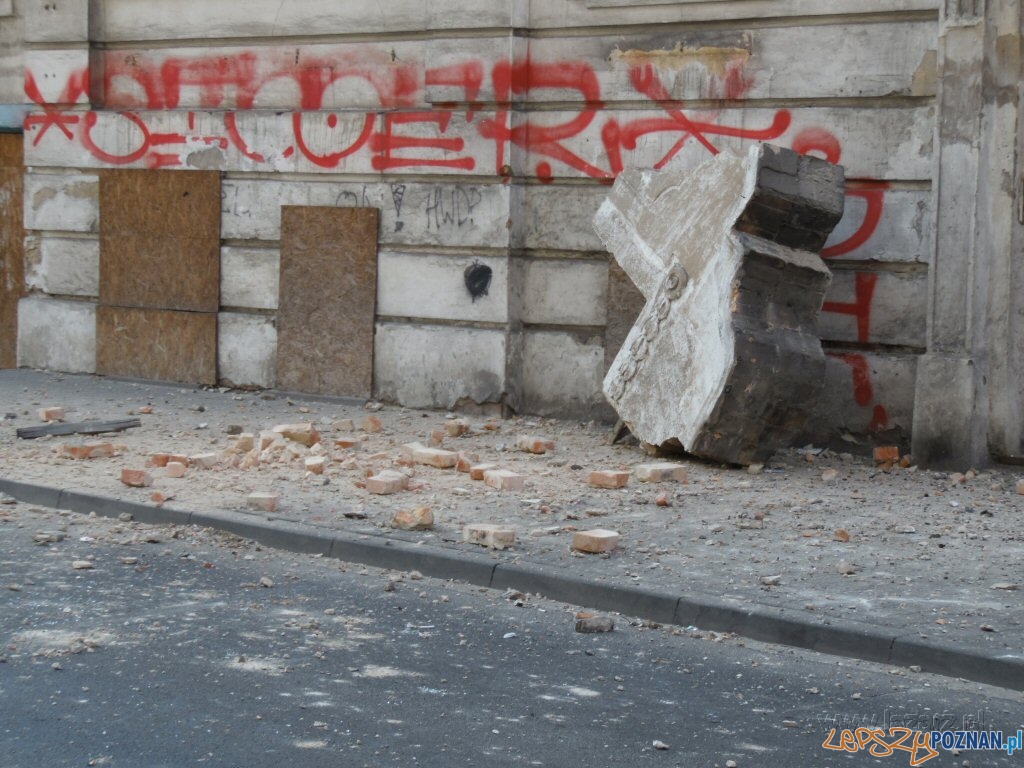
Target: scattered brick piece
<point x="175" y="469"/>
<point x="159" y="497"/>
<point x="344" y="425"/>
<point x="1020" y="487"/>
<point x="489" y="535"/>
<point x="608" y="478"/>
<point x="958" y="478"/>
<point x="146" y="409"/>
<point x="434" y="457"/>
<point x="504" y="480"/>
<point x="372" y="424"/>
<point x="417" y="519"/>
<point x="906" y="461"/>
<point x="178" y="457"/>
<point x="304" y="433"/>
<point x="661" y="472"/>
<point x="347" y="441"/>
<point x="492" y="425"/>
<point x="136" y="478"/>
<point x="662" y="500"/>
<point x="52" y="413"/>
<point x="595" y="541"/>
<point x="466" y="461"/>
<point x="203" y="460"/>
<point x="88" y="451"/>
<point x="887" y="453"/>
<point x="534" y="444"/>
<point x="829" y="475"/>
<point x="246" y="442"/>
<point x="594" y="624"/>
<point x="264" y="501"/>
<point x="436" y="438"/>
<point x="268" y="438"/>
<point x="159" y="459"/>
<point x="316" y="464"/>
<point x="477" y="471"/>
<point x="386" y="482"/>
<point x="456" y="427"/>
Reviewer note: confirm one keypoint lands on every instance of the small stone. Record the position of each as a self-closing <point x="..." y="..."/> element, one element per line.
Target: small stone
<point x="1020" y="487"/>
<point x="845" y="568"/>
<point x="263" y="501"/>
<point x="136" y="478"/>
<point x="371" y="424"/>
<point x="343" y="425"/>
<point x="660" y="744"/>
<point x="129" y="561"/>
<point x="489" y="535"/>
<point x="175" y="469"/>
<point x="477" y="471"/>
<point x="663" y="500"/>
<point x="456" y="427"/>
<point x="595" y="541"/>
<point x="82" y="565"/>
<point x="158" y="497"/>
<point x="771" y="581"/>
<point x="829" y="475"/>
<point x="887" y="453"/>
<point x="347" y="442"/>
<point x="416" y="519"/>
<point x="266" y="582"/>
<point x="755" y="469"/>
<point x="315" y="464"/>
<point x="246" y="442"/>
<point x="987" y="628"/>
<point x="203" y="460"/>
<point x="730" y="764"/>
<point x="1006" y="585"/>
<point x="608" y="478"/>
<point x="790" y="724"/>
<point x="234" y="429"/>
<point x="49" y="537"/>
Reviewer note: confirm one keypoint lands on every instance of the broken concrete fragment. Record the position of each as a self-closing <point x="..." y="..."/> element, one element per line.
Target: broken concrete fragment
<point x="594" y="624"/>
<point x="88" y="451"/>
<point x="608" y="478"/>
<point x="595" y="541"/>
<point x="434" y="457"/>
<point x="304" y="433"/>
<point x="175" y="469"/>
<point x="534" y="444"/>
<point x="724" y="358"/>
<point x="347" y="442"/>
<point x="456" y="427"/>
<point x="662" y="472"/>
<point x="386" y="482"/>
<point x="316" y="464"/>
<point x="203" y="460"/>
<point x="264" y="501"/>
<point x="417" y="519"/>
<point x="52" y="413"/>
<point x="489" y="535"/>
<point x="343" y="425"/>
<point x="477" y="471"/>
<point x="504" y="480"/>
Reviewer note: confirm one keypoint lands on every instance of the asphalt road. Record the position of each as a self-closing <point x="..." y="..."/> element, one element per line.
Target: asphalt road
<point x="182" y="647"/>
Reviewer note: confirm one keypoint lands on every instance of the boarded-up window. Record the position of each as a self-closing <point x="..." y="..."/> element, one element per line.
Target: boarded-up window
<point x="159" y="275"/>
<point x="12" y="236"/>
<point x="327" y="300"/>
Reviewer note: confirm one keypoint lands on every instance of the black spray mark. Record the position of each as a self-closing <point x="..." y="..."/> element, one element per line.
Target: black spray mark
<point x="478" y="279"/>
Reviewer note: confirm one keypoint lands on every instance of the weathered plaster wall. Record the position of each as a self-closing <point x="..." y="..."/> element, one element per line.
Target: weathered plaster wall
<point x="487" y="132"/>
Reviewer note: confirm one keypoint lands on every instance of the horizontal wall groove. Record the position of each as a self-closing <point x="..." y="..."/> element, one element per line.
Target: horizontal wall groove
<point x="423" y="322"/>
<point x="828" y="345"/>
<point x="870" y="265"/>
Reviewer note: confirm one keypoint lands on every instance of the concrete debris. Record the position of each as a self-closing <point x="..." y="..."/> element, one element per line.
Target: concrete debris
<point x="489" y="535"/>
<point x="263" y="501"/>
<point x="416" y="519"/>
<point x="204" y="460"/>
<point x="662" y="472"/>
<point x="433" y="457"/>
<point x="387" y="482"/>
<point x="724" y="358"/>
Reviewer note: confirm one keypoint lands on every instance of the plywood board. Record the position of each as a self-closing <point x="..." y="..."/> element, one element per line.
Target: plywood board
<point x="12" y="260"/>
<point x="157" y="344"/>
<point x="160" y="240"/>
<point x="327" y="300"/>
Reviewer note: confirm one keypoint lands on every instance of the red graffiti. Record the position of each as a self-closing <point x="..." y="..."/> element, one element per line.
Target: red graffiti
<point x="76" y="87"/>
<point x="863" y="391"/>
<point x="860" y="307"/>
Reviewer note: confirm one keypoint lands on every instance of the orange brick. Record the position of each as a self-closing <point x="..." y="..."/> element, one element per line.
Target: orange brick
<point x="88" y="451"/>
<point x="504" y="480"/>
<point x="386" y="482"/>
<point x="347" y="441"/>
<point x="52" y="413"/>
<point x="159" y="459"/>
<point x="595" y="541"/>
<point x="456" y="427"/>
<point x="477" y="471"/>
<point x="304" y="433"/>
<point x="466" y="461"/>
<point x="887" y="453"/>
<point x="316" y="464"/>
<point x="136" y="478"/>
<point x="488" y="535"/>
<point x="433" y="457"/>
<point x="372" y="424"/>
<point x="608" y="478"/>
<point x="661" y="473"/>
<point x="417" y="519"/>
<point x="533" y="444"/>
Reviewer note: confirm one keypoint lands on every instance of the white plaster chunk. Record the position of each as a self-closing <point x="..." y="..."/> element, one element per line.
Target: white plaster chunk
<point x="56" y="334"/>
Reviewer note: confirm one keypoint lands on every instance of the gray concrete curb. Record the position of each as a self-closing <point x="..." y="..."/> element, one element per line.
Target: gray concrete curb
<point x="761" y="623"/>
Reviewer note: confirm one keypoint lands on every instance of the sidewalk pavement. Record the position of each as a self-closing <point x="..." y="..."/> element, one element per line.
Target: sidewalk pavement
<point x="820" y="550"/>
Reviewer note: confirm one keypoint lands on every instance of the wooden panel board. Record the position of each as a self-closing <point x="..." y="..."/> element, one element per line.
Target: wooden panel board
<point x="12" y="260"/>
<point x="157" y="344"/>
<point x="327" y="300"/>
<point x="160" y="240"/>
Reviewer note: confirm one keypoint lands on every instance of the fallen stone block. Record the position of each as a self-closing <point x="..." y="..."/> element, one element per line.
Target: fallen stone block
<point x="417" y="519"/>
<point x="595" y="541"/>
<point x="175" y="469"/>
<point x="305" y="433"/>
<point x="534" y="444"/>
<point x="263" y="501"/>
<point x="504" y="480"/>
<point x="88" y="451"/>
<point x="608" y="478"/>
<point x="662" y="472"/>
<point x="477" y="471"/>
<point x="136" y="478"/>
<point x="489" y="535"/>
<point x="724" y="359"/>
<point x="51" y="413"/>
<point x="386" y="482"/>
